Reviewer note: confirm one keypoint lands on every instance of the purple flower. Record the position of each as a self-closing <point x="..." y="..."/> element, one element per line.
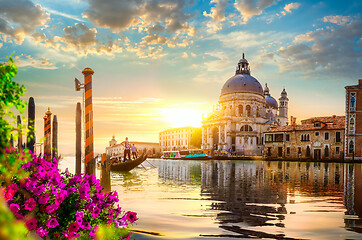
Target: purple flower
<point x="51" y="208"/>
<point x="73" y="227"/>
<point x="30" y="185"/>
<point x="120" y="223"/>
<point x="52" y="223"/>
<point x="31" y="224"/>
<point x="42" y="232"/>
<point x="86" y="226"/>
<point x="79" y="220"/>
<point x="92" y="233"/>
<point x="70" y="190"/>
<point x="83" y="192"/>
<point x="79" y="214"/>
<point x="131" y="216"/>
<point x="96" y="212"/>
<point x="30" y="204"/>
<point x="43" y="199"/>
<point x="39" y="190"/>
<point x="14" y="207"/>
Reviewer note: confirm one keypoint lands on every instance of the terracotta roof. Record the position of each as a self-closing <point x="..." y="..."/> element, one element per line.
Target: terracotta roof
<point x="308" y="125"/>
<point x="328" y="119"/>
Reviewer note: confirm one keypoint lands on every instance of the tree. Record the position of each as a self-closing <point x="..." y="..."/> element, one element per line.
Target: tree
<point x="196" y="138"/>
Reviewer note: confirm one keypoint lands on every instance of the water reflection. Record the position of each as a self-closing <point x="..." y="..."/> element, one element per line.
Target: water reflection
<point x="270" y="199"/>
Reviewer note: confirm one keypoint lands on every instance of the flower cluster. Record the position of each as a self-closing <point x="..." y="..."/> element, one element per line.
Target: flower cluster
<point x="62" y="205"/>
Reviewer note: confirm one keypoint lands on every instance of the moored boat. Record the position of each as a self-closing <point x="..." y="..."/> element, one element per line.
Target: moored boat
<point x="129" y="165"/>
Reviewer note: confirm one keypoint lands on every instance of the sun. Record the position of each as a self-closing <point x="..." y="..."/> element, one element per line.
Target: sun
<point x="182" y="117"/>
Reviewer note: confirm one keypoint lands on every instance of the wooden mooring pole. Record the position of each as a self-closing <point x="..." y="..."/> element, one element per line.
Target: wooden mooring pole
<point x="78" y="141"/>
<point x="20" y="142"/>
<point x="31" y="129"/>
<point x="55" y="138"/>
<point x="47" y="133"/>
<point x="106" y="173"/>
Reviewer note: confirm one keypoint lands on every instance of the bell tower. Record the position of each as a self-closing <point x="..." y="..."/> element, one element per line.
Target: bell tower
<point x="243" y="66"/>
<point x="283" y="104"/>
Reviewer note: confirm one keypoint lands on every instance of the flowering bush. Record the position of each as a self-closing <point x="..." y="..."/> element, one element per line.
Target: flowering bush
<point x="62" y="205"/>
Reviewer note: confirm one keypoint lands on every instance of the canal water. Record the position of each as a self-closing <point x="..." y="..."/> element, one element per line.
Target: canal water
<point x="179" y="199"/>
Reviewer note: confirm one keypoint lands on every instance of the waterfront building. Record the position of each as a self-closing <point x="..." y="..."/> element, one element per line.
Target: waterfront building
<point x="353" y="140"/>
<point x="244" y="112"/>
<point x="176" y="138"/>
<point x="319" y="138"/>
<point x="152" y="149"/>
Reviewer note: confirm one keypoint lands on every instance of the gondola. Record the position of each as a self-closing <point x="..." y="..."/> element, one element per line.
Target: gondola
<point x="129" y="165"/>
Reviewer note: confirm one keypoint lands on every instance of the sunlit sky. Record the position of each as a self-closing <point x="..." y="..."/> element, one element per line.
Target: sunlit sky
<point x="162" y="64"/>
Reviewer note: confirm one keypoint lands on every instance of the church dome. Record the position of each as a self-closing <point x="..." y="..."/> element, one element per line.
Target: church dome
<point x="271" y="102"/>
<point x="242" y="83"/>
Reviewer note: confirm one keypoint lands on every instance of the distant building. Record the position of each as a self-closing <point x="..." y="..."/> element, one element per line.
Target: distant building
<point x="176" y="138"/>
<point x="244" y="112"/>
<point x="319" y="138"/>
<point x="353" y="140"/>
<point x="152" y="149"/>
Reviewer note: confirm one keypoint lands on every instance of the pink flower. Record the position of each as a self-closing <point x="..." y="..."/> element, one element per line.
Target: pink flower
<point x="92" y="233"/>
<point x="73" y="235"/>
<point x="31" y="224"/>
<point x="79" y="214"/>
<point x="52" y="223"/>
<point x="131" y="216"/>
<point x="73" y="227"/>
<point x="83" y="192"/>
<point x="30" y="185"/>
<point x="96" y="212"/>
<point x="86" y="226"/>
<point x="121" y="223"/>
<point x="51" y="208"/>
<point x="42" y="232"/>
<point x="43" y="199"/>
<point x="39" y="190"/>
<point x="14" y="207"/>
<point x="30" y="204"/>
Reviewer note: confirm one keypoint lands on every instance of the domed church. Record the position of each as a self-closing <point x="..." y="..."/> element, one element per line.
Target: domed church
<point x="244" y="112"/>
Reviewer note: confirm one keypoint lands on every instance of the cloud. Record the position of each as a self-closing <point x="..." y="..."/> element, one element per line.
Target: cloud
<point x="19" y="18"/>
<point x="337" y="19"/>
<point x="38" y="37"/>
<point x="40" y="63"/>
<point x="288" y="7"/>
<point x="217" y="12"/>
<point x="118" y="15"/>
<point x="250" y="8"/>
<point x="325" y="52"/>
<point x="81" y="39"/>
<point x="66" y="15"/>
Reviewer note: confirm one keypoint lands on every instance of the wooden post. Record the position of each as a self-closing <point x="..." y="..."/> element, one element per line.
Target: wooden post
<point x="31" y="129"/>
<point x="89" y="161"/>
<point x="105" y="173"/>
<point x="78" y="141"/>
<point x="55" y="138"/>
<point x="19" y="132"/>
<point x="47" y="133"/>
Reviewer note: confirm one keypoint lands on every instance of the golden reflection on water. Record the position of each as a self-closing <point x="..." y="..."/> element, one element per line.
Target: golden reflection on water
<point x="244" y="199"/>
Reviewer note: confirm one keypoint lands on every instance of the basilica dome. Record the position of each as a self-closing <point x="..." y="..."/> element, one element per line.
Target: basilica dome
<point x="242" y="83"/>
<point x="271" y="102"/>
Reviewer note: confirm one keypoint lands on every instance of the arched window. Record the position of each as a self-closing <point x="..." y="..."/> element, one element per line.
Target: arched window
<point x="351" y="147"/>
<point x="248" y="110"/>
<point x="307" y="137"/>
<point x="257" y="112"/>
<point x="353" y="101"/>
<point x="215" y="135"/>
<point x="240" y="108"/>
<point x="326" y="152"/>
<point x="246" y="128"/>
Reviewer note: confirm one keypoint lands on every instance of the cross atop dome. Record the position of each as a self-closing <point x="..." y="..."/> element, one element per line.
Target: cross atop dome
<point x="243" y="66"/>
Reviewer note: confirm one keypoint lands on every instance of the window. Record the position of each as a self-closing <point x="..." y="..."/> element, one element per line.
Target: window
<point x="287" y="137"/>
<point x="246" y="128"/>
<point x="337" y="150"/>
<point x="353" y="102"/>
<point x="307" y="152"/>
<point x="351" y="147"/>
<point x="268" y="137"/>
<point x="240" y="110"/>
<point x="326" y="136"/>
<point x="299" y="150"/>
<point x="278" y="137"/>
<point x="351" y="124"/>
<point x="248" y="110"/>
<point x="316" y="134"/>
<point x="288" y="150"/>
<point x="307" y="137"/>
<point x="317" y="124"/>
<point x="326" y="151"/>
<point x="338" y="136"/>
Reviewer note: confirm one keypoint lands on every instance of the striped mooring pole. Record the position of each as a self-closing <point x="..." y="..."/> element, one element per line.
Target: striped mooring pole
<point x="89" y="161"/>
<point x="47" y="133"/>
<point x="55" y="138"/>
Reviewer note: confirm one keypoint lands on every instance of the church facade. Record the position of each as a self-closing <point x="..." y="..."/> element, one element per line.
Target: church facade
<point x="244" y="112"/>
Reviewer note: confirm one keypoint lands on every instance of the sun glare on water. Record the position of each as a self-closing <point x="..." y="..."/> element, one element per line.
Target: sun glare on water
<point x="182" y="117"/>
